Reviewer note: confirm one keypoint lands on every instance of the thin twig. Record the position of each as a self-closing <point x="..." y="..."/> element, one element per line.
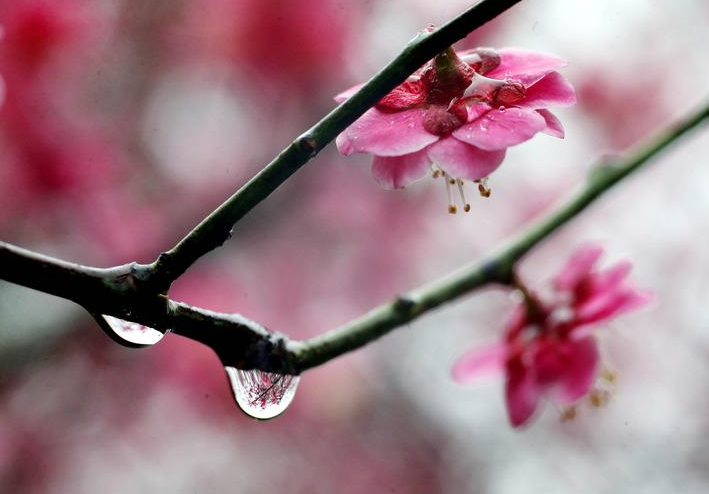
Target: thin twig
<point x="216" y="228"/>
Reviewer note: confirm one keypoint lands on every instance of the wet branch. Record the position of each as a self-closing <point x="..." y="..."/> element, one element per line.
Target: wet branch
<point x="216" y="228"/>
<point x="121" y="291"/>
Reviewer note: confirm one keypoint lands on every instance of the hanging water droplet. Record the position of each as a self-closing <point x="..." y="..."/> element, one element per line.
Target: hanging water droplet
<point x="262" y="395"/>
<point x="129" y="333"/>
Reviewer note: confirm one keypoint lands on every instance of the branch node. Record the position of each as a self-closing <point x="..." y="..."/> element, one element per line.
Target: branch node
<point x="497" y="271"/>
<point x="404" y="304"/>
<point x="307" y="144"/>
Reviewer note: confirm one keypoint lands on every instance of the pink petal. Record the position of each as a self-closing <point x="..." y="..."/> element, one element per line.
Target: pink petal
<point x="609" y="279"/>
<point x="393" y="172"/>
<point x="554" y="127"/>
<point x="390" y="134"/>
<point x="552" y="90"/>
<point x="344" y="145"/>
<point x="516" y="322"/>
<point x="521" y="394"/>
<point x="478" y="364"/>
<point x="611" y="304"/>
<point x="577" y="267"/>
<point x="499" y="129"/>
<point x="462" y="160"/>
<point x="347" y="94"/>
<point x="581" y="359"/>
<point x="524" y="65"/>
<point x="477" y="110"/>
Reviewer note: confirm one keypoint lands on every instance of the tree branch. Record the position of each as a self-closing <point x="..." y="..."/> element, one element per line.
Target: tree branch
<point x="119" y="292"/>
<point x="246" y="344"/>
<point x="215" y="229"/>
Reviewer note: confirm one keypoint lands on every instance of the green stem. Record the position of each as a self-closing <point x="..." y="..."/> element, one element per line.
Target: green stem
<point x="215" y="229"/>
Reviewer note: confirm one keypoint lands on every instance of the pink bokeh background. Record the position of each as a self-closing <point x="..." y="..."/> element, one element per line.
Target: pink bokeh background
<point x="125" y="122"/>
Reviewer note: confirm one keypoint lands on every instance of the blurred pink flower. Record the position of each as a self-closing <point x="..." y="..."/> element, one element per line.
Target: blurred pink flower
<point x="459" y="114"/>
<point x="548" y="348"/>
<point x="311" y="37"/>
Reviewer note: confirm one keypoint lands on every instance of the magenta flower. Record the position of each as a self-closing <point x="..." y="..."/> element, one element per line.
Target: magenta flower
<point x="458" y="114"/>
<point x="548" y="348"/>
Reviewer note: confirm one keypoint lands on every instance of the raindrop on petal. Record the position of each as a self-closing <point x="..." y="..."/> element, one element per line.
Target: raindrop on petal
<point x="262" y="395"/>
<point x="129" y="333"/>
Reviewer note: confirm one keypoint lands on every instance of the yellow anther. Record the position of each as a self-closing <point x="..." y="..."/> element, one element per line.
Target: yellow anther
<point x="597" y="399"/>
<point x="609" y="376"/>
<point x="568" y="414"/>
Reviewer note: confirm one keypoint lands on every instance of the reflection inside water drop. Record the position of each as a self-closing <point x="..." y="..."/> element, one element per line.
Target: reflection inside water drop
<point x="262" y="395"/>
<point x="129" y="333"/>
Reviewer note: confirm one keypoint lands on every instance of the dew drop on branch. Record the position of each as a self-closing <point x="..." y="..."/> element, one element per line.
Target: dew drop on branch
<point x="129" y="333"/>
<point x="262" y="395"/>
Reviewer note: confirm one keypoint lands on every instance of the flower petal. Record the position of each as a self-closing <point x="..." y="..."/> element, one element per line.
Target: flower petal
<point x="393" y="172"/>
<point x="554" y="126"/>
<point x="461" y="160"/>
<point x="477" y="110"/>
<point x="551" y="90"/>
<point x="524" y="65"/>
<point x="390" y="134"/>
<point x="581" y="363"/>
<point x="521" y="394"/>
<point x="501" y="128"/>
<point x="478" y="364"/>
<point x="608" y="279"/>
<point x="577" y="267"/>
<point x="611" y="304"/>
<point x="347" y="94"/>
<point x="344" y="145"/>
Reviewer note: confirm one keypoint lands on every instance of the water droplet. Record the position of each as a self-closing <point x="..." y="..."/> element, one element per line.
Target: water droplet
<point x="129" y="333"/>
<point x="502" y="108"/>
<point x="262" y="395"/>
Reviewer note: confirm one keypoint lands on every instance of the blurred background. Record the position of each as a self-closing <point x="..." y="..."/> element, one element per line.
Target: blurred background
<point x="125" y="122"/>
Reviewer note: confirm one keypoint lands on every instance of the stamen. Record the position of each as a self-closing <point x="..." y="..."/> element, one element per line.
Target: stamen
<point x="608" y="376"/>
<point x="597" y="398"/>
<point x="484" y="190"/>
<point x="437" y="173"/>
<point x="466" y="206"/>
<point x="568" y="414"/>
<point x="452" y="209"/>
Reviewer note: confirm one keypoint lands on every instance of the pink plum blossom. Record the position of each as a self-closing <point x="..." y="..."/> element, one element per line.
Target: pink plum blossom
<point x="458" y="114"/>
<point x="548" y="348"/>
